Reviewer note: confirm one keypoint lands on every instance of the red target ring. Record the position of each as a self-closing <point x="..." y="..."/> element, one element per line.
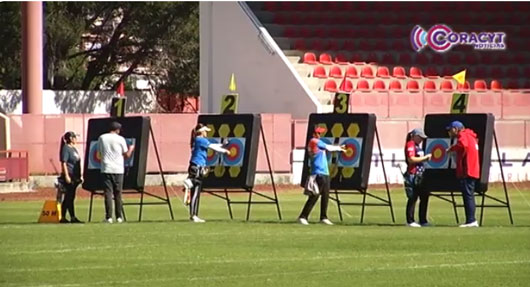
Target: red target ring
<point x="234" y="149"/>
<point x="351" y="152"/>
<point x="438" y="153"/>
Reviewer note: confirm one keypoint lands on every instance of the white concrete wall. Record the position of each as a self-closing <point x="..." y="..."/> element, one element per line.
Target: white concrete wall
<point x="69" y="102"/>
<point x="266" y="81"/>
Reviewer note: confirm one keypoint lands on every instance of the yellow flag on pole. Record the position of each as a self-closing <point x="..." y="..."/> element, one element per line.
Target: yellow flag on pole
<point x="232" y="87"/>
<point x="460" y="77"/>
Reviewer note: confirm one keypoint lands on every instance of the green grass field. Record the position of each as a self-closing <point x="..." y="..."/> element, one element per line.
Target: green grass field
<point x="265" y="251"/>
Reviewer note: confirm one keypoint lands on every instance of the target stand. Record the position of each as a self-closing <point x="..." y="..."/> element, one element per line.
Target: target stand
<point x="449" y="196"/>
<point x="440" y="176"/>
<point x="364" y="192"/>
<point x="134" y="177"/>
<point x="243" y="161"/>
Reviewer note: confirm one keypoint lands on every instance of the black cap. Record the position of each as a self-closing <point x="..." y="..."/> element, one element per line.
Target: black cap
<point x="69" y="135"/>
<point x="115" y="126"/>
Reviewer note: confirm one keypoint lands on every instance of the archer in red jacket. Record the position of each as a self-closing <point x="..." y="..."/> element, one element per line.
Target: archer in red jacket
<point x="467" y="167"/>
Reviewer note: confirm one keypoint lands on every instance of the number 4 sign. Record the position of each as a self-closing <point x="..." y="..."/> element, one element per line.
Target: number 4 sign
<point x="459" y="103"/>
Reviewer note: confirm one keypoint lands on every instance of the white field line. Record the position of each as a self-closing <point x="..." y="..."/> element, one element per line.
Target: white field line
<point x="521" y="193"/>
<point x="276" y="274"/>
<point x="240" y="261"/>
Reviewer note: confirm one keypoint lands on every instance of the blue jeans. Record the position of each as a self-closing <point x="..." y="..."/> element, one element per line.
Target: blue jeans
<point x="413" y="193"/>
<point x="467" y="186"/>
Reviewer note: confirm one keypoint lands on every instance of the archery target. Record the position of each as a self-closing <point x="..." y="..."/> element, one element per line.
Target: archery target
<point x="236" y="146"/>
<point x="437" y="147"/>
<point x="212" y="157"/>
<point x="94" y="157"/>
<point x="351" y="157"/>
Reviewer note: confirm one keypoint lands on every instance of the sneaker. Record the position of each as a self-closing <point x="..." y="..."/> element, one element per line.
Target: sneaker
<point x="108" y="220"/>
<point x="64" y="220"/>
<point x="196" y="219"/>
<point x="119" y="220"/>
<point x="75" y="220"/>
<point x="472" y="224"/>
<point x="426" y="224"/>
<point x="413" y="224"/>
<point x="326" y="221"/>
<point x="303" y="221"/>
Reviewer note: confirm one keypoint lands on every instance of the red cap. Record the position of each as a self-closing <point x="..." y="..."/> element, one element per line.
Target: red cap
<point x="319" y="129"/>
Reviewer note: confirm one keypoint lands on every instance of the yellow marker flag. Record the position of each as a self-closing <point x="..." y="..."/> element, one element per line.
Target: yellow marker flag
<point x="232" y="87"/>
<point x="460" y="77"/>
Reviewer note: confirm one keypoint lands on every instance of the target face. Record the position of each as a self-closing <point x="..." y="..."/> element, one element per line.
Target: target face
<point x="94" y="157"/>
<point x="437" y="147"/>
<point x="212" y="157"/>
<point x="352" y="156"/>
<point x="236" y="146"/>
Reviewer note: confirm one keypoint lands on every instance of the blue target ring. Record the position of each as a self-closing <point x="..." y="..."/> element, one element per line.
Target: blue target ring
<point x="94" y="160"/>
<point x="212" y="158"/>
<point x="437" y="147"/>
<point x="237" y="148"/>
<point x="351" y="157"/>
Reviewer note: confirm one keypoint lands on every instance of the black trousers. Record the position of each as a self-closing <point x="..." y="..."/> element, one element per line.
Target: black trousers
<point x="69" y="197"/>
<point x="113" y="186"/>
<point x="195" y="174"/>
<point x="413" y="193"/>
<point x="323" y="186"/>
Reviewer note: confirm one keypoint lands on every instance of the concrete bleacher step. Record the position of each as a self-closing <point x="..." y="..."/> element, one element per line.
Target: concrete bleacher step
<point x="11" y="187"/>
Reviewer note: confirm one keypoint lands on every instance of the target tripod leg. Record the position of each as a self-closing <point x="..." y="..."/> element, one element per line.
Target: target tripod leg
<point x="482" y="208"/>
<point x="229" y="204"/>
<point x="454" y="207"/>
<point x="90" y="208"/>
<point x="249" y="204"/>
<point x="363" y="206"/>
<point x="338" y="204"/>
<point x="141" y="205"/>
<point x="503" y="179"/>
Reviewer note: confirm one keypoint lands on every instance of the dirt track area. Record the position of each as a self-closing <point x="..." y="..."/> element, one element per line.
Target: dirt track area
<point x="49" y="193"/>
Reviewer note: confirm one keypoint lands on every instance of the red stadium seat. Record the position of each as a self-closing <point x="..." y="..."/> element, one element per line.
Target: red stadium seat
<point x="310" y="58"/>
<point x="480" y="85"/>
<point x="395" y="85"/>
<point x="335" y="72"/>
<point x="317" y="45"/>
<point x="415" y="73"/>
<point x="495" y="85"/>
<point x="351" y="72"/>
<point x="341" y="59"/>
<point x="465" y="86"/>
<point x="382" y="72"/>
<point x="346" y="86"/>
<point x="446" y="85"/>
<point x="319" y="72"/>
<point x="379" y="85"/>
<point x="413" y="85"/>
<point x="399" y="72"/>
<point x="366" y="72"/>
<point x="330" y="86"/>
<point x="429" y="85"/>
<point x="325" y="59"/>
<point x="363" y="85"/>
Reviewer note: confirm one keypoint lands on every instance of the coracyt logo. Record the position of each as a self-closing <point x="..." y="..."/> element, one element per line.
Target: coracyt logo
<point x="441" y="38"/>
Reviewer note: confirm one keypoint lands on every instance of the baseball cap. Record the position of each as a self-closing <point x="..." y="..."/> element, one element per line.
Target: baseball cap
<point x="418" y="132"/>
<point x="115" y="126"/>
<point x="455" y="124"/>
<point x="204" y="129"/>
<point x="319" y="129"/>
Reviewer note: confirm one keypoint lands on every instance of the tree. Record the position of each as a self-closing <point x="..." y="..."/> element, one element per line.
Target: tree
<point x="94" y="45"/>
<point x="10" y="49"/>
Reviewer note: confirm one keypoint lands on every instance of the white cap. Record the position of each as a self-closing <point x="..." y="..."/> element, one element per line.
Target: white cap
<point x="204" y="129"/>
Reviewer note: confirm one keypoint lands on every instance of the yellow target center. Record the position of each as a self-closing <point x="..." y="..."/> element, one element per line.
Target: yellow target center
<point x="233" y="151"/>
<point x="437" y="153"/>
<point x="349" y="152"/>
